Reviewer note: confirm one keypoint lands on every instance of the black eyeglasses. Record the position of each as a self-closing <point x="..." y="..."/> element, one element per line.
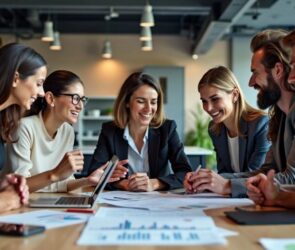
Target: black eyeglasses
<point x="76" y="98"/>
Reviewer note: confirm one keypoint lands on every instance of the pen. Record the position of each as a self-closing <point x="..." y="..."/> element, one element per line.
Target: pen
<point x="198" y="168"/>
<point x="80" y="210"/>
<point x="190" y="178"/>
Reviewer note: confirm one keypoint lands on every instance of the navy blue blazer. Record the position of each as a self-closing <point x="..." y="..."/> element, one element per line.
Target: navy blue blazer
<point x="163" y="145"/>
<point x="252" y="147"/>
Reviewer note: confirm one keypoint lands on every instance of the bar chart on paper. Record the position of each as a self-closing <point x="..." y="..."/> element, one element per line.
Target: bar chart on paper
<point x="127" y="225"/>
<point x="147" y="231"/>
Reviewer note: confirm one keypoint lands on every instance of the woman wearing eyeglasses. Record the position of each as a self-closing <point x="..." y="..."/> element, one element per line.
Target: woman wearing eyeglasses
<point x="44" y="150"/>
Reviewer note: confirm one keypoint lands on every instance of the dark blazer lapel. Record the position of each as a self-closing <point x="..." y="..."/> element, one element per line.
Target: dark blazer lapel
<point x="120" y="145"/>
<point x="243" y="145"/>
<point x="153" y="151"/>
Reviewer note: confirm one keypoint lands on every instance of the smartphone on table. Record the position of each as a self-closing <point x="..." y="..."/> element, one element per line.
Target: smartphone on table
<point x="20" y="229"/>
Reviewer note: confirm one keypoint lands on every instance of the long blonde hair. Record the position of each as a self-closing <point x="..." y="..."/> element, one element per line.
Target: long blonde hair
<point x="222" y="78"/>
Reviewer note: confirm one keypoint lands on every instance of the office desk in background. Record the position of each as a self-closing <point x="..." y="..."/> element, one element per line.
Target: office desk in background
<point x="196" y="155"/>
<point x="66" y="237"/>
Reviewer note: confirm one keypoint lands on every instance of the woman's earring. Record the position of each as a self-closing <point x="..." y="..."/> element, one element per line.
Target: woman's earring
<point x="52" y="105"/>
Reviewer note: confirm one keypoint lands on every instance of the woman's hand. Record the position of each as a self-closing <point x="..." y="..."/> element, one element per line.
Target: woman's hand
<point x="14" y="192"/>
<point x="95" y="176"/>
<point x="187" y="183"/>
<point x="19" y="183"/>
<point x="206" y="179"/>
<point x="72" y="161"/>
<point x="120" y="171"/>
<point x="139" y="182"/>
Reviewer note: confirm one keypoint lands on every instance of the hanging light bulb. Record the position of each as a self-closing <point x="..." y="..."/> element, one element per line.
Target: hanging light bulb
<point x="147" y="18"/>
<point x="147" y="45"/>
<point x="48" y="32"/>
<point x="146" y="34"/>
<point x="107" y="50"/>
<point x="56" y="44"/>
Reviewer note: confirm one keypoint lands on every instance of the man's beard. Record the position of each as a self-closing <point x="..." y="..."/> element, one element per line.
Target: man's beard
<point x="269" y="95"/>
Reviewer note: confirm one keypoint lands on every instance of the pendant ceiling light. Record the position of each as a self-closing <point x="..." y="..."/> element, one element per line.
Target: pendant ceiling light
<point x="56" y="44"/>
<point x="147" y="45"/>
<point x="48" y="35"/>
<point x="107" y="50"/>
<point x="147" y="18"/>
<point x="146" y="34"/>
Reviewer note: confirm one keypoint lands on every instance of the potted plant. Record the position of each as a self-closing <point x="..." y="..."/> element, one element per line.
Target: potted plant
<point x="198" y="136"/>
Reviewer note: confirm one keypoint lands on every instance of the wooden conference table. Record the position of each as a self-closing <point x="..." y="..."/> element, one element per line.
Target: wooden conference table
<point x="65" y="238"/>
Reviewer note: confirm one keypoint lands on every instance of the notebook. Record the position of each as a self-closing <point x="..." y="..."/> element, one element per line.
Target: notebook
<point x="78" y="201"/>
<point x="262" y="217"/>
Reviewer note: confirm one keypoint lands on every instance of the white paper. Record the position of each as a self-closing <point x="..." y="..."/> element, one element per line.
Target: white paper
<point x="150" y="231"/>
<point x="226" y="233"/>
<point x="156" y="201"/>
<point x="47" y="218"/>
<point x="278" y="244"/>
<point x="110" y="212"/>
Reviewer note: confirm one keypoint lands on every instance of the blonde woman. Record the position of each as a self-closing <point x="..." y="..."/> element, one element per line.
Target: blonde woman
<point x="238" y="132"/>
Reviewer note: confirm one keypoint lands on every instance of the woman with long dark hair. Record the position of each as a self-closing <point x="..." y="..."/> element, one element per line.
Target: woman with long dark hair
<point x="22" y="73"/>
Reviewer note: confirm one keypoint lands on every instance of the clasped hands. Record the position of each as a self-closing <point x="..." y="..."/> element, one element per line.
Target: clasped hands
<point x="16" y="189"/>
<point x="138" y="182"/>
<point x="206" y="179"/>
<point x="263" y="189"/>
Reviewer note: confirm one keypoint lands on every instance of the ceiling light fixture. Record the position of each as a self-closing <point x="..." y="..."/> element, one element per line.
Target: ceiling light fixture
<point x="147" y="45"/>
<point x="56" y="44"/>
<point x="147" y="18"/>
<point x="112" y="14"/>
<point x="195" y="56"/>
<point x="48" y="32"/>
<point x="107" y="50"/>
<point x="146" y="34"/>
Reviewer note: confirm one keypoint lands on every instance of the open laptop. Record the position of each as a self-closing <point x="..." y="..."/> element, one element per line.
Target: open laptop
<point x="78" y="201"/>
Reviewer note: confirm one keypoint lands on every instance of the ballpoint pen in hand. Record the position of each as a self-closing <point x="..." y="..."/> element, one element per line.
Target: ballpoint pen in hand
<point x="197" y="169"/>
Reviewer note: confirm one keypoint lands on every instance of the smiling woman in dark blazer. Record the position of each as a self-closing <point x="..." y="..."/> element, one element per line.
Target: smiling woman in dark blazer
<point x="238" y="132"/>
<point x="142" y="138"/>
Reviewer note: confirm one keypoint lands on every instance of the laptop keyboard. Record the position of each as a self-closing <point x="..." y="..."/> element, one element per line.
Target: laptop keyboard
<point x="71" y="200"/>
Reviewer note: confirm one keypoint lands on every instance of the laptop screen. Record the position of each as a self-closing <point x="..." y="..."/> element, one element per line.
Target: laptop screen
<point x="105" y="177"/>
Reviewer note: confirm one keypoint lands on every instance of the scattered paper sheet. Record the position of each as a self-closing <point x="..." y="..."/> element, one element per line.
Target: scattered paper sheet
<point x="47" y="218"/>
<point x="226" y="233"/>
<point x="110" y="212"/>
<point x="150" y="231"/>
<point x="278" y="244"/>
<point x="167" y="201"/>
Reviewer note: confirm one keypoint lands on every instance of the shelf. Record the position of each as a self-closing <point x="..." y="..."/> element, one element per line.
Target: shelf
<point x="101" y="117"/>
<point x="89" y="138"/>
<point x="90" y="122"/>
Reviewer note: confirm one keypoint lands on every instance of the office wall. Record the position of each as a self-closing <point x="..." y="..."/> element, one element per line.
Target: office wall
<point x="81" y="54"/>
<point x="241" y="64"/>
